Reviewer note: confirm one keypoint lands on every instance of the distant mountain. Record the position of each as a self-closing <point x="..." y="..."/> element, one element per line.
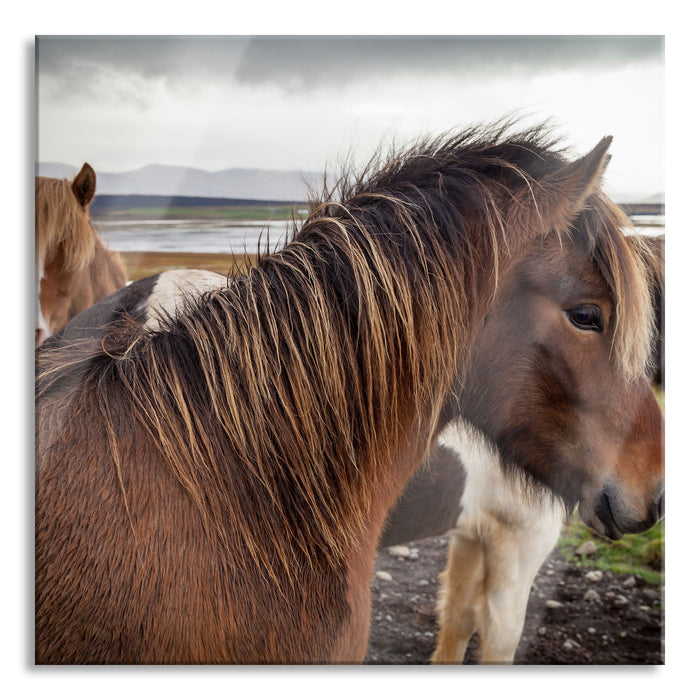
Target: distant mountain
<point x="170" y="180"/>
<point x="233" y="183"/>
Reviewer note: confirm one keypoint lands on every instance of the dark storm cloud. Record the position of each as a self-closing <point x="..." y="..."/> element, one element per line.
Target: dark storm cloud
<point x="299" y="63"/>
<point x="310" y="62"/>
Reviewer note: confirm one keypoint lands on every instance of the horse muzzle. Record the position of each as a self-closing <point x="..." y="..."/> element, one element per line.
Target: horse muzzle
<point x="613" y="516"/>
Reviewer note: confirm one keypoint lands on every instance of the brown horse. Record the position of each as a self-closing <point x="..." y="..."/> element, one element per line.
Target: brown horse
<point x="211" y="487"/>
<point x="74" y="269"/>
<point x="501" y="531"/>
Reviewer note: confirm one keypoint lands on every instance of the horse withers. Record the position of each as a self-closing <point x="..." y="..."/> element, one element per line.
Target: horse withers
<point x="74" y="269"/>
<point x="212" y="489"/>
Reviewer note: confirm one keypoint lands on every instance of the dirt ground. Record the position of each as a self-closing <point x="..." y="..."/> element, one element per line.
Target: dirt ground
<point x="624" y="627"/>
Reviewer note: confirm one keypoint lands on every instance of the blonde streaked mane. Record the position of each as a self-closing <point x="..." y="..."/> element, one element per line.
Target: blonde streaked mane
<point x="631" y="265"/>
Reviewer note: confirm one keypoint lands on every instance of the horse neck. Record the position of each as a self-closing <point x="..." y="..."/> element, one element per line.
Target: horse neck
<point x="388" y="317"/>
<point x="107" y="270"/>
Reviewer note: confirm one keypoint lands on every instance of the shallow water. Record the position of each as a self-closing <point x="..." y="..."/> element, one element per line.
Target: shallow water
<point x="225" y="236"/>
<point x="191" y="235"/>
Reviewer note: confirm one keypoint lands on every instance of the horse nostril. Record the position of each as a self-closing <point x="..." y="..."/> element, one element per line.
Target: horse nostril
<point x="660" y="504"/>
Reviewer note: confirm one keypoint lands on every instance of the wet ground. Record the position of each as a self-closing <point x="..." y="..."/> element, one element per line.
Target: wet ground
<point x="623" y="625"/>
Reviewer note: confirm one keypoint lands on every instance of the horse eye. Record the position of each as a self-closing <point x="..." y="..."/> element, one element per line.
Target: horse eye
<point x="586" y="317"/>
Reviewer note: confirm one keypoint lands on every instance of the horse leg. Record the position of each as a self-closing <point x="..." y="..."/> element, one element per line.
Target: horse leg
<point x="512" y="559"/>
<point x="461" y="601"/>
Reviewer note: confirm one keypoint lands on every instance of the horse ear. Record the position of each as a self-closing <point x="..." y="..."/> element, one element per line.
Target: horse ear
<point x="84" y="185"/>
<point x="552" y="202"/>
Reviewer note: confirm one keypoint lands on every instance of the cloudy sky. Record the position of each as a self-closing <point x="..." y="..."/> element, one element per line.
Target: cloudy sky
<point x="302" y="103"/>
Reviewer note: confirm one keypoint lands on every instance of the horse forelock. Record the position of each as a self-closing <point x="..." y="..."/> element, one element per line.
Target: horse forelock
<point x="61" y="222"/>
<point x="630" y="268"/>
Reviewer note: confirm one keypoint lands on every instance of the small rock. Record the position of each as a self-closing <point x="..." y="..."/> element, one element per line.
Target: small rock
<point x="383" y="575"/>
<point x="620" y="600"/>
<point x="414" y="554"/>
<point x="550" y="572"/>
<point x="423" y="582"/>
<point x="399" y="551"/>
<point x="591" y="630"/>
<point x="623" y="634"/>
<point x="630" y="582"/>
<point x="570" y="644"/>
<point x="651" y="594"/>
<point x="554" y="604"/>
<point x="541" y="631"/>
<point x="645" y="608"/>
<point x="588" y="547"/>
<point x="591" y="596"/>
<point x="594" y="576"/>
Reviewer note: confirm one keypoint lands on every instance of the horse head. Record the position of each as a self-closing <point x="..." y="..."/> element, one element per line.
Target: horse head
<point x="555" y="376"/>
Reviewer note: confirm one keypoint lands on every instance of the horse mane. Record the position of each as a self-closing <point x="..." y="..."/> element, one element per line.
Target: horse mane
<point x="62" y="221"/>
<point x="489" y="164"/>
<point x="334" y="349"/>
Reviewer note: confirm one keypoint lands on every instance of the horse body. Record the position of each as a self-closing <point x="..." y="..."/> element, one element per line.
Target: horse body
<point x="74" y="269"/>
<point x="212" y="487"/>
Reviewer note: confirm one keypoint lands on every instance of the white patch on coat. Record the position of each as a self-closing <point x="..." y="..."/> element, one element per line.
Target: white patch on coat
<point x="515" y="532"/>
<point x="487" y="492"/>
<point x="173" y="289"/>
<point x="41" y="327"/>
